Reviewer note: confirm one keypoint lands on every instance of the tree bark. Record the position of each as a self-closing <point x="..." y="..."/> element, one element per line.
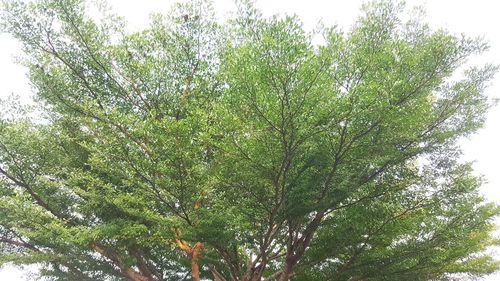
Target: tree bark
<point x="193" y="253"/>
<point x="287" y="271"/>
<point x="114" y="257"/>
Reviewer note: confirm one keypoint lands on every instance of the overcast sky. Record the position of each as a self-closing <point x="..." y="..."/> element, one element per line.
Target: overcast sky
<point x="478" y="17"/>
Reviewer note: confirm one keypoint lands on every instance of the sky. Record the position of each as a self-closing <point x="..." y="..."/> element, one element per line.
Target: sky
<point x="474" y="18"/>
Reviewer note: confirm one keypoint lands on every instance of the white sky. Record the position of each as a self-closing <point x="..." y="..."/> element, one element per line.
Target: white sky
<point x="478" y="17"/>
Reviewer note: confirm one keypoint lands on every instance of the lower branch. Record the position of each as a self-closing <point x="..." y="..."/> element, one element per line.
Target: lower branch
<point x="193" y="253"/>
<point x="111" y="255"/>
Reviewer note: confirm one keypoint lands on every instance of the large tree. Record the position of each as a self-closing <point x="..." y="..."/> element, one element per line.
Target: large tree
<point x="241" y="150"/>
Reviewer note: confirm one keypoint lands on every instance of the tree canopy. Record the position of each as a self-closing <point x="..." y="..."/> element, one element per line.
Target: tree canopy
<point x="240" y="150"/>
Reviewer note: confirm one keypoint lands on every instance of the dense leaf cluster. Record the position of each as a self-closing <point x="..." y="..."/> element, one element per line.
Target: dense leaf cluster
<point x="241" y="150"/>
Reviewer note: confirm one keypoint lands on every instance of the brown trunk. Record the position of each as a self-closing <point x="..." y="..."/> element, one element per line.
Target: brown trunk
<point x="195" y="270"/>
<point x="217" y="275"/>
<point x="297" y="248"/>
<point x="193" y="253"/>
<point x="136" y="276"/>
<point x="115" y="258"/>
<point x="285" y="275"/>
<point x="287" y="271"/>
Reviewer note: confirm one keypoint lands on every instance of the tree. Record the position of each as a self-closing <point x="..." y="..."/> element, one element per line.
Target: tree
<point x="241" y="150"/>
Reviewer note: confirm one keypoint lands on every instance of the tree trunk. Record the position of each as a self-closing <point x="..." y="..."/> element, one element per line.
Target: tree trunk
<point x="115" y="258"/>
<point x="193" y="253"/>
<point x="287" y="271"/>
<point x="195" y="270"/>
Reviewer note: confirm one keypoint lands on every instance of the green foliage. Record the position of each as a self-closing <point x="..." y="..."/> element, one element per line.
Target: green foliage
<point x="287" y="160"/>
